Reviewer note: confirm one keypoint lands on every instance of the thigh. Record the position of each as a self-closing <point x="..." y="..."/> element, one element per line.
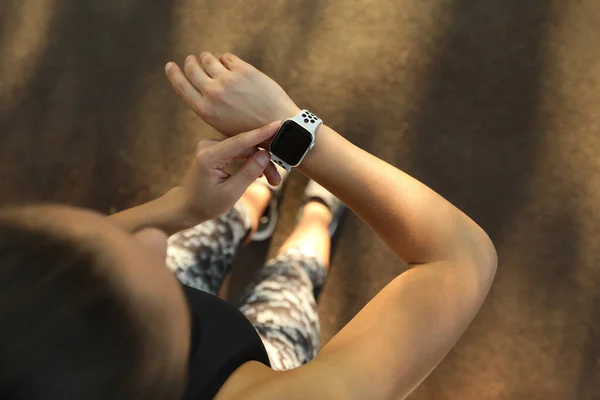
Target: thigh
<point x="281" y="304"/>
<point x="201" y="256"/>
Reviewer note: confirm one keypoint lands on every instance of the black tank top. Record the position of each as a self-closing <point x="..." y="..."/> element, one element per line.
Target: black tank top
<point x="222" y="340"/>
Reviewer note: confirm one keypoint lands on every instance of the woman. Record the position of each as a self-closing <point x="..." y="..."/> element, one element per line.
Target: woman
<point x="89" y="311"/>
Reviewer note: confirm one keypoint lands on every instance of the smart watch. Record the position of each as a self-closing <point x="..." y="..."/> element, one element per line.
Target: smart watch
<point x="294" y="139"/>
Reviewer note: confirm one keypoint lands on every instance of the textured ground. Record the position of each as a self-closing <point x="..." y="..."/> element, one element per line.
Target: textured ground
<point x="495" y="104"/>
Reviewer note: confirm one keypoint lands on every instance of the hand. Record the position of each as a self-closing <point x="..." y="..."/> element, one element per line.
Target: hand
<point x="208" y="190"/>
<point x="229" y="94"/>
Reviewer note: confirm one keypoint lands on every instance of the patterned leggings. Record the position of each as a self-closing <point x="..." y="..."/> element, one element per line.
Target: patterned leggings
<point x="280" y="303"/>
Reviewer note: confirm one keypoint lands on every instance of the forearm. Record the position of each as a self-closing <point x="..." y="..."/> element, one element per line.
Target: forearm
<point x="166" y="213"/>
<point x="427" y="308"/>
<point x="416" y="223"/>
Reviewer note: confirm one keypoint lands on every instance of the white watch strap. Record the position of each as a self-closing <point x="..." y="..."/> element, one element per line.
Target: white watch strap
<point x="309" y="121"/>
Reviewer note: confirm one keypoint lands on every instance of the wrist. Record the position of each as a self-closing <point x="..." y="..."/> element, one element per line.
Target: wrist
<point x="176" y="212"/>
<point x="320" y="153"/>
<point x="285" y="112"/>
<point x="166" y="213"/>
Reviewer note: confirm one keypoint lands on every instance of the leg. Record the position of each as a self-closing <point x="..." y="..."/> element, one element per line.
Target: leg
<point x="201" y="256"/>
<point x="281" y="304"/>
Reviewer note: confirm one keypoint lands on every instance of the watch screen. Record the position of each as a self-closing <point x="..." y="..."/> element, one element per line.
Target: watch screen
<point x="291" y="142"/>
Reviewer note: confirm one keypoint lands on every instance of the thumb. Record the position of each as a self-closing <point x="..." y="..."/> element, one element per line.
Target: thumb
<point x="252" y="169"/>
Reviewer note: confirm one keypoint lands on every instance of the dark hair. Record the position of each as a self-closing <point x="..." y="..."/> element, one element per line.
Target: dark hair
<point x="67" y="330"/>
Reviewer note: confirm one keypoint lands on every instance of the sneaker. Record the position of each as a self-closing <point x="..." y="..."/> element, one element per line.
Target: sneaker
<point x="268" y="221"/>
<point x="316" y="192"/>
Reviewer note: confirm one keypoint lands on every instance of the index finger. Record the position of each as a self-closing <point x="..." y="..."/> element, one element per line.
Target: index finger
<point x="184" y="89"/>
<point x="238" y="145"/>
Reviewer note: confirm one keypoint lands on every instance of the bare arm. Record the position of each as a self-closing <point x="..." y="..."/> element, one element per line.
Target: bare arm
<point x="167" y="213"/>
<point x="408" y="328"/>
<point x="401" y="335"/>
<point x="416" y="223"/>
<point x="208" y="190"/>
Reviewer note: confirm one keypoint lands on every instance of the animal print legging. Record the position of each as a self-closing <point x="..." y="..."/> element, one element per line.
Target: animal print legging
<point x="280" y="303"/>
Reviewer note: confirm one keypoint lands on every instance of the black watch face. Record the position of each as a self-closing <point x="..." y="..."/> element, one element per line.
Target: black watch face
<point x="291" y="142"/>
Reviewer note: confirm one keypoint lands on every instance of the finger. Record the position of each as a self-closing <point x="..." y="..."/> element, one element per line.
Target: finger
<point x="195" y="74"/>
<point x="272" y="174"/>
<point x="208" y="143"/>
<point x="205" y="144"/>
<point x="234" y="146"/>
<point x="247" y="174"/>
<point x="247" y="153"/>
<point x="212" y="66"/>
<point x="242" y="156"/>
<point x="184" y="89"/>
<point x="234" y="63"/>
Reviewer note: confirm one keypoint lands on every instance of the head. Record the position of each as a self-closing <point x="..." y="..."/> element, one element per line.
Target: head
<point x="87" y="310"/>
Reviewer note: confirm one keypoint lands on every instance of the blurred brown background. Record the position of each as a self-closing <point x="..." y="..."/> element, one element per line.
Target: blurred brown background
<point x="495" y="104"/>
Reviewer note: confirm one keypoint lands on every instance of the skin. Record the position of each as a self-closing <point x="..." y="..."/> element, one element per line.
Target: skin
<point x="135" y="240"/>
<point x="426" y="309"/>
<point x="208" y="190"/>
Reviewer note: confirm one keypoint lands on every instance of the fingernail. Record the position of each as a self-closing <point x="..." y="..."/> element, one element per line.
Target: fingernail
<point x="168" y="66"/>
<point x="263" y="158"/>
<point x="274" y="123"/>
